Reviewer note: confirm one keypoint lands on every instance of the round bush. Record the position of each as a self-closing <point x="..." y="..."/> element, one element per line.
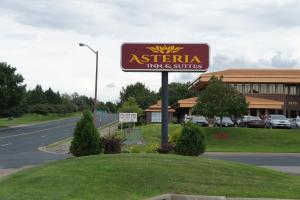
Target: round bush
<point x="191" y="141"/>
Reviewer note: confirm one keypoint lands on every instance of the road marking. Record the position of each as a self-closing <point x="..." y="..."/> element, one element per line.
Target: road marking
<point x="4" y="145"/>
<point x="32" y="132"/>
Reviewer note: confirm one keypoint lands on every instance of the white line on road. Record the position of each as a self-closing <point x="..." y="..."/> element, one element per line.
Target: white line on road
<point x="32" y="132"/>
<point x="4" y="145"/>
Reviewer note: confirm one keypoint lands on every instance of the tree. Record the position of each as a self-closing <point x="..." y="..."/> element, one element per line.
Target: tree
<point x="143" y="96"/>
<point x="82" y="102"/>
<point x="131" y="106"/>
<point x="86" y="140"/>
<point x="53" y="97"/>
<point x="179" y="91"/>
<point x="219" y="99"/>
<point x="111" y="107"/>
<point x="12" y="90"/>
<point x="36" y="96"/>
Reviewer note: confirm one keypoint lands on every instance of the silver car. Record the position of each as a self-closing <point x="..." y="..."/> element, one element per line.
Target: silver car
<point x="226" y="121"/>
<point x="277" y="121"/>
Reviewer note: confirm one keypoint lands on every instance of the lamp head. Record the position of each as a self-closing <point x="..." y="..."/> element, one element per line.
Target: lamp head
<point x="81" y="44"/>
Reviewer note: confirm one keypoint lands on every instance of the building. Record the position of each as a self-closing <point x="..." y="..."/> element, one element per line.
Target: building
<point x="153" y="113"/>
<point x="268" y="91"/>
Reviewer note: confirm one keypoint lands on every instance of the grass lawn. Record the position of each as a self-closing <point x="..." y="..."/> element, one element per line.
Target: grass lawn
<point x="33" y="118"/>
<point x="137" y="176"/>
<point x="233" y="139"/>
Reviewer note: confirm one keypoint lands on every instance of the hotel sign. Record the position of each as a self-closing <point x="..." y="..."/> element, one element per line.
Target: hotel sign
<point x="142" y="57"/>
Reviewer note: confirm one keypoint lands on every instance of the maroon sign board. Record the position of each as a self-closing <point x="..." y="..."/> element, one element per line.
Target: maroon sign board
<point x="158" y="57"/>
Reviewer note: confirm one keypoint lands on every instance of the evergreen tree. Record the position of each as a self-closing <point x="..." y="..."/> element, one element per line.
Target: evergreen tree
<point x="86" y="140"/>
<point x="36" y="96"/>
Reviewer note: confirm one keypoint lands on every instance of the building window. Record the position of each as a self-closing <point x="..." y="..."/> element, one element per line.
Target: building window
<point x="263" y="88"/>
<point x="240" y="88"/>
<point x="247" y="88"/>
<point x="255" y="88"/>
<point x="286" y="89"/>
<point x="293" y="90"/>
<point x="280" y="89"/>
<point x="272" y="89"/>
<point x="156" y="117"/>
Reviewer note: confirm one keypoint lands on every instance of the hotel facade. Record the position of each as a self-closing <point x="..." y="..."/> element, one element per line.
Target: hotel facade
<point x="268" y="91"/>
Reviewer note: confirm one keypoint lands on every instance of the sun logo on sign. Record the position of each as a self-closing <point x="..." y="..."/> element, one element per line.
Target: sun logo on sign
<point x="164" y="49"/>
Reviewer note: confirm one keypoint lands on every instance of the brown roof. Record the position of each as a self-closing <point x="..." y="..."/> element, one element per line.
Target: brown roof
<point x="254" y="102"/>
<point x="250" y="76"/>
<point x="157" y="107"/>
<point x="185" y="103"/>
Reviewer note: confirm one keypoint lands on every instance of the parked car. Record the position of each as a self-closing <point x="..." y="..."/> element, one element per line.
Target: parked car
<point x="277" y="121"/>
<point x="226" y="121"/>
<point x="293" y="122"/>
<point x="200" y="120"/>
<point x="187" y="118"/>
<point x="297" y="122"/>
<point x="252" y="122"/>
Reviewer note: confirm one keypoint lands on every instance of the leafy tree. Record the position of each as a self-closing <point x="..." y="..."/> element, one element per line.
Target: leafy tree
<point x="179" y="91"/>
<point x="36" y="96"/>
<point x="111" y="107"/>
<point x="53" y="97"/>
<point x="101" y="106"/>
<point x="143" y="96"/>
<point x="82" y="102"/>
<point x="131" y="106"/>
<point x="12" y="90"/>
<point x="86" y="140"/>
<point x="219" y="99"/>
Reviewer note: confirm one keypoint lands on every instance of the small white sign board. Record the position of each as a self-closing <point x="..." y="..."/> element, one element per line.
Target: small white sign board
<point x="127" y="117"/>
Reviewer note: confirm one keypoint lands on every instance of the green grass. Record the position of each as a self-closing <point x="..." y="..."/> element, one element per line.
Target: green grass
<point x="238" y="139"/>
<point x="137" y="176"/>
<point x="254" y="140"/>
<point x="33" y="118"/>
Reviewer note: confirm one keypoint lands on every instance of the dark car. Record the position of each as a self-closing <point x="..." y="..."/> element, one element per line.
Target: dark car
<point x="252" y="122"/>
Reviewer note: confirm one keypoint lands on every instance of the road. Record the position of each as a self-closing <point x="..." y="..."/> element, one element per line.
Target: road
<point x="285" y="162"/>
<point x="19" y="146"/>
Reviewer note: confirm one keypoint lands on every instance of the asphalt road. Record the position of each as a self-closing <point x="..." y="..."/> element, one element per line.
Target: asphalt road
<point x="285" y="162"/>
<point x="19" y="145"/>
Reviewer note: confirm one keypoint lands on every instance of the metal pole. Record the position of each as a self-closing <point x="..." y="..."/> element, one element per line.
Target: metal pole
<point x="96" y="83"/>
<point x="165" y="102"/>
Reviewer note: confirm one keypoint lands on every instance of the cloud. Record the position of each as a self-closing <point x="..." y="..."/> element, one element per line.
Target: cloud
<point x="277" y="60"/>
<point x="280" y="60"/>
<point x="110" y="85"/>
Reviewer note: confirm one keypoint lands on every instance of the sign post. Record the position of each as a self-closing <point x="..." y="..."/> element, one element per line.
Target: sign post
<point x="164" y="58"/>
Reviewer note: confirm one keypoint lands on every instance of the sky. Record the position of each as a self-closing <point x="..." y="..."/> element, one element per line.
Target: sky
<point x="40" y="38"/>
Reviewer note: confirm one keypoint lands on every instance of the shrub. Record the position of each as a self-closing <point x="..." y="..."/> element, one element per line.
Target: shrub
<point x="86" y="140"/>
<point x="42" y="109"/>
<point x="174" y="136"/>
<point x="191" y="142"/>
<point x="111" y="144"/>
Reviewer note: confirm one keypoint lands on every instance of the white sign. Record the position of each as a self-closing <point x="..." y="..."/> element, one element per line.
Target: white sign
<point x="127" y="117"/>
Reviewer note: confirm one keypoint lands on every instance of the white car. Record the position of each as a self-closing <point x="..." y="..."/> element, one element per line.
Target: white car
<point x="277" y="121"/>
<point x="226" y="121"/>
<point x="298" y="122"/>
<point x="199" y="120"/>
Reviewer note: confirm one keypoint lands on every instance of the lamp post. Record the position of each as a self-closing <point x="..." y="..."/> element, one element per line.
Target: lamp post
<point x="96" y="79"/>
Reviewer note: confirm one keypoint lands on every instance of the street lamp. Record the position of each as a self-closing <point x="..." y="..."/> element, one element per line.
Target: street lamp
<point x="96" y="79"/>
